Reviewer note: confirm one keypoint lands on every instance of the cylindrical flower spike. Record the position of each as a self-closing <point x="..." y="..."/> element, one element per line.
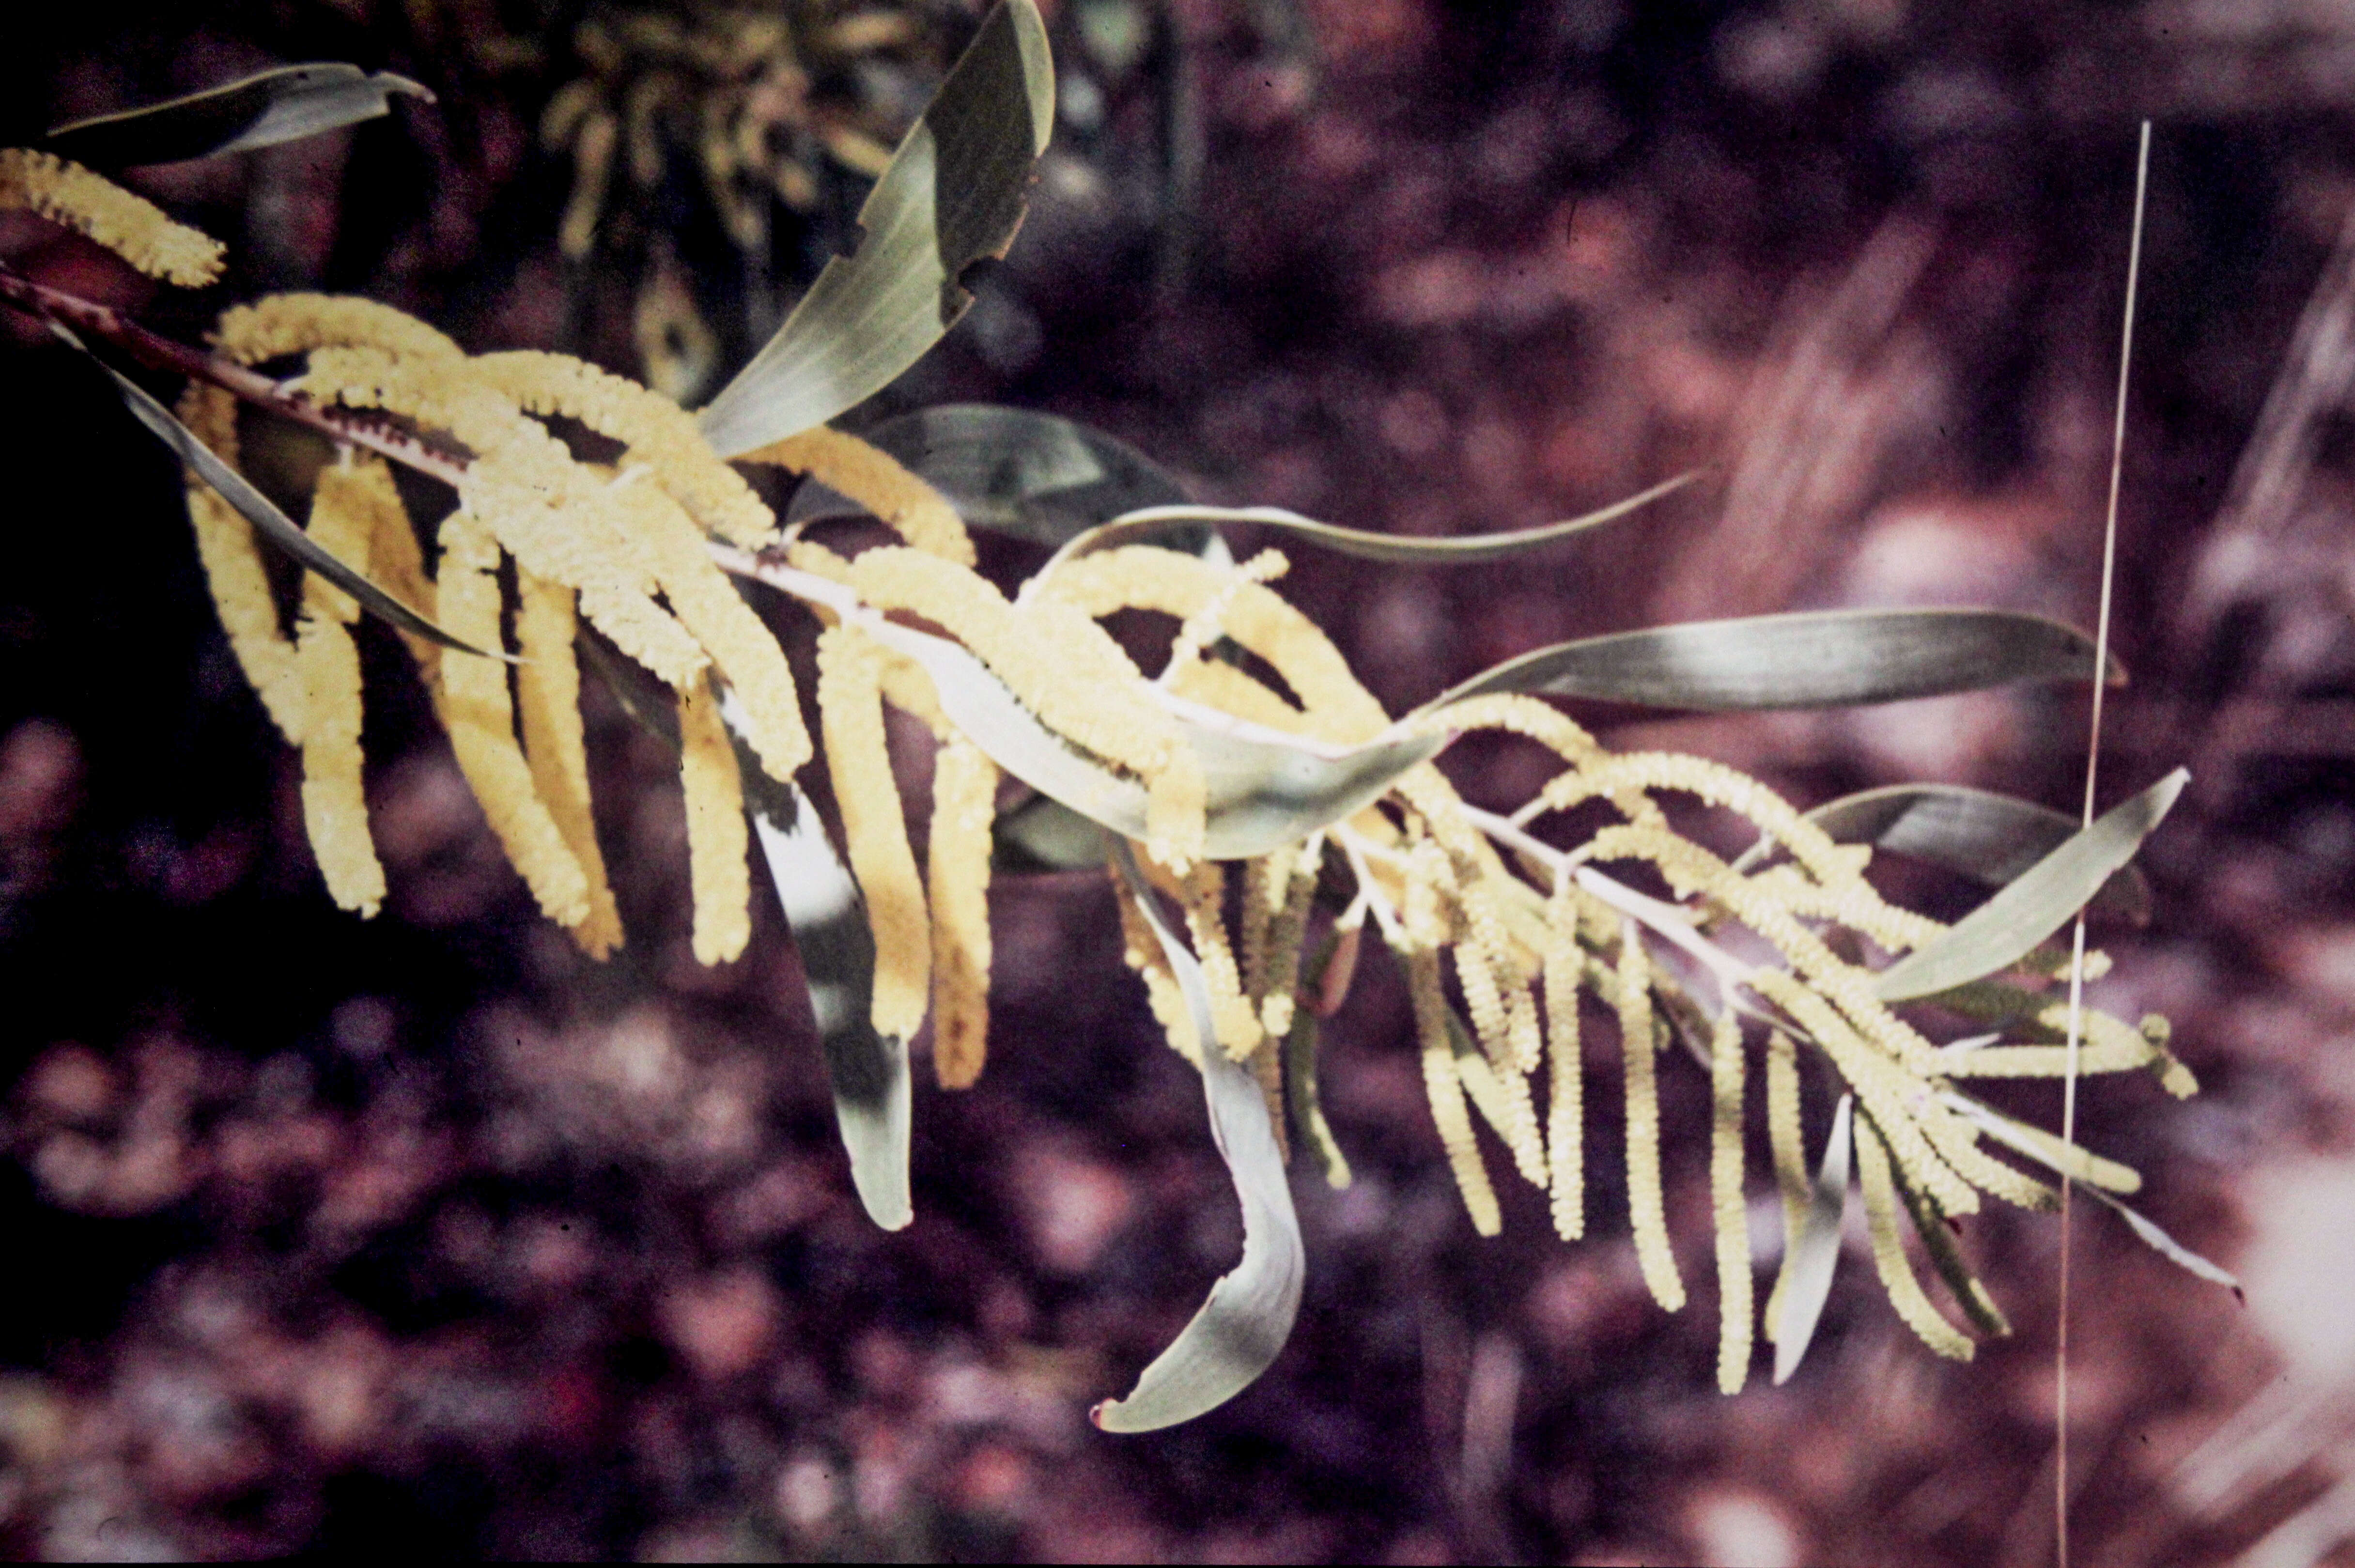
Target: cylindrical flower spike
<point x="1732" y="1214"/>
<point x="1445" y="1092"/>
<point x="1784" y="1138"/>
<point x="548" y="688"/>
<point x="1647" y="1207"/>
<point x="1889" y="1259"/>
<point x="130" y="225"/>
<point x="875" y="827"/>
<point x="965" y="791"/>
<point x="1566" y="1088"/>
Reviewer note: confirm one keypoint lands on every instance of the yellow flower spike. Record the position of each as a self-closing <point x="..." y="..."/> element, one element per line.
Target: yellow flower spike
<point x="1141" y="951"/>
<point x="1231" y="1011"/>
<point x="1647" y="1205"/>
<point x="548" y="689"/>
<point x="1889" y="1259"/>
<point x="875" y="479"/>
<point x="1144" y="577"/>
<point x="1287" y="928"/>
<point x="234" y="572"/>
<point x="707" y="604"/>
<point x="131" y="226"/>
<point x="1062" y="665"/>
<point x="907" y="688"/>
<point x="1566" y="1084"/>
<point x="718" y="876"/>
<point x="1730" y="1212"/>
<point x="1207" y="625"/>
<point x="964" y="794"/>
<point x="657" y="432"/>
<point x="279" y="325"/>
<point x="547" y="511"/>
<point x="1214" y="683"/>
<point x="875" y="828"/>
<point x="335" y="807"/>
<point x="1784" y="1136"/>
<point x="1445" y="1090"/>
<point x="1833" y="865"/>
<point x="475" y="710"/>
<point x="1527" y="717"/>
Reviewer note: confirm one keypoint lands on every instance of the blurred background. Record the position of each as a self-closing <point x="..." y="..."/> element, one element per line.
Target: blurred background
<point x="425" y="1234"/>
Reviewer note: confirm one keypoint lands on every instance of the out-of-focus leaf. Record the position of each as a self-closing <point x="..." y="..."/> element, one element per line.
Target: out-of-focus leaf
<point x="1810" y="1257"/>
<point x="1042" y="833"/>
<point x="1809" y="660"/>
<point x="272" y="524"/>
<point x="1989" y="837"/>
<point x="1266" y="789"/>
<point x="2167" y="1246"/>
<point x="2034" y="904"/>
<point x="1153" y="522"/>
<point x="282" y="105"/>
<point x="869" y="1072"/>
<point x="953" y="194"/>
<point x="2072" y="1160"/>
<point x="1243" y="1326"/>
<point x="1030" y="476"/>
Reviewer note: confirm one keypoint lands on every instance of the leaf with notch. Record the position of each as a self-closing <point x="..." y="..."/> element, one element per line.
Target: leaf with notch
<point x="953" y="194"/>
<point x="1241" y="1328"/>
<point x="2034" y="904"/>
<point x="1806" y="659"/>
<point x="260" y="110"/>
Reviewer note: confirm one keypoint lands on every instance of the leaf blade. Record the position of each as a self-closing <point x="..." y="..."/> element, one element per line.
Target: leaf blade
<point x="952" y="195"/>
<point x="1803" y="659"/>
<point x="1812" y="1257"/>
<point x="2034" y="904"/>
<point x="1149" y="523"/>
<point x="1241" y="1327"/>
<point x="284" y="104"/>
<point x="2167" y="1246"/>
<point x="272" y="524"/>
<point x="1979" y="834"/>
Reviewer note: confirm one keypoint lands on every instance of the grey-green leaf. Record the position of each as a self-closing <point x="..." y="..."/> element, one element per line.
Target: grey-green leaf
<point x="1030" y="476"/>
<point x="260" y="110"/>
<point x="1241" y="1328"/>
<point x="2175" y="1251"/>
<point x="2034" y="904"/>
<point x="869" y="1072"/>
<point x="953" y="194"/>
<point x="272" y="524"/>
<point x="1042" y="833"/>
<point x="1807" y="659"/>
<point x="1810" y="1258"/>
<point x="1150" y="523"/>
<point x="1976" y="833"/>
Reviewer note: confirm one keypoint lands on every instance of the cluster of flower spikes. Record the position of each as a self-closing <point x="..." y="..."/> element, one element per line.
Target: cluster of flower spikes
<point x="625" y="549"/>
<point x="1526" y="939"/>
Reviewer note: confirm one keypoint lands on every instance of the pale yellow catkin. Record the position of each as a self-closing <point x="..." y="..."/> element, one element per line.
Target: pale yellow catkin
<point x="875" y="480"/>
<point x="1141" y="951"/>
<point x="965" y="792"/>
<point x="234" y="573"/>
<point x="719" y="875"/>
<point x="1647" y="1205"/>
<point x="475" y="710"/>
<point x="1144" y="577"/>
<point x="1062" y="665"/>
<point x="1207" y="625"/>
<point x="1784" y="1138"/>
<point x="279" y="325"/>
<point x="1889" y="1259"/>
<point x="131" y="226"/>
<point x="656" y="432"/>
<point x="1832" y="864"/>
<point x="1230" y="1010"/>
<point x="874" y="826"/>
<point x="1214" y="683"/>
<point x="549" y="512"/>
<point x="1566" y="1086"/>
<point x="335" y="808"/>
<point x="548" y="690"/>
<point x="707" y="604"/>
<point x="1735" y="1306"/>
<point x="1446" y="1090"/>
